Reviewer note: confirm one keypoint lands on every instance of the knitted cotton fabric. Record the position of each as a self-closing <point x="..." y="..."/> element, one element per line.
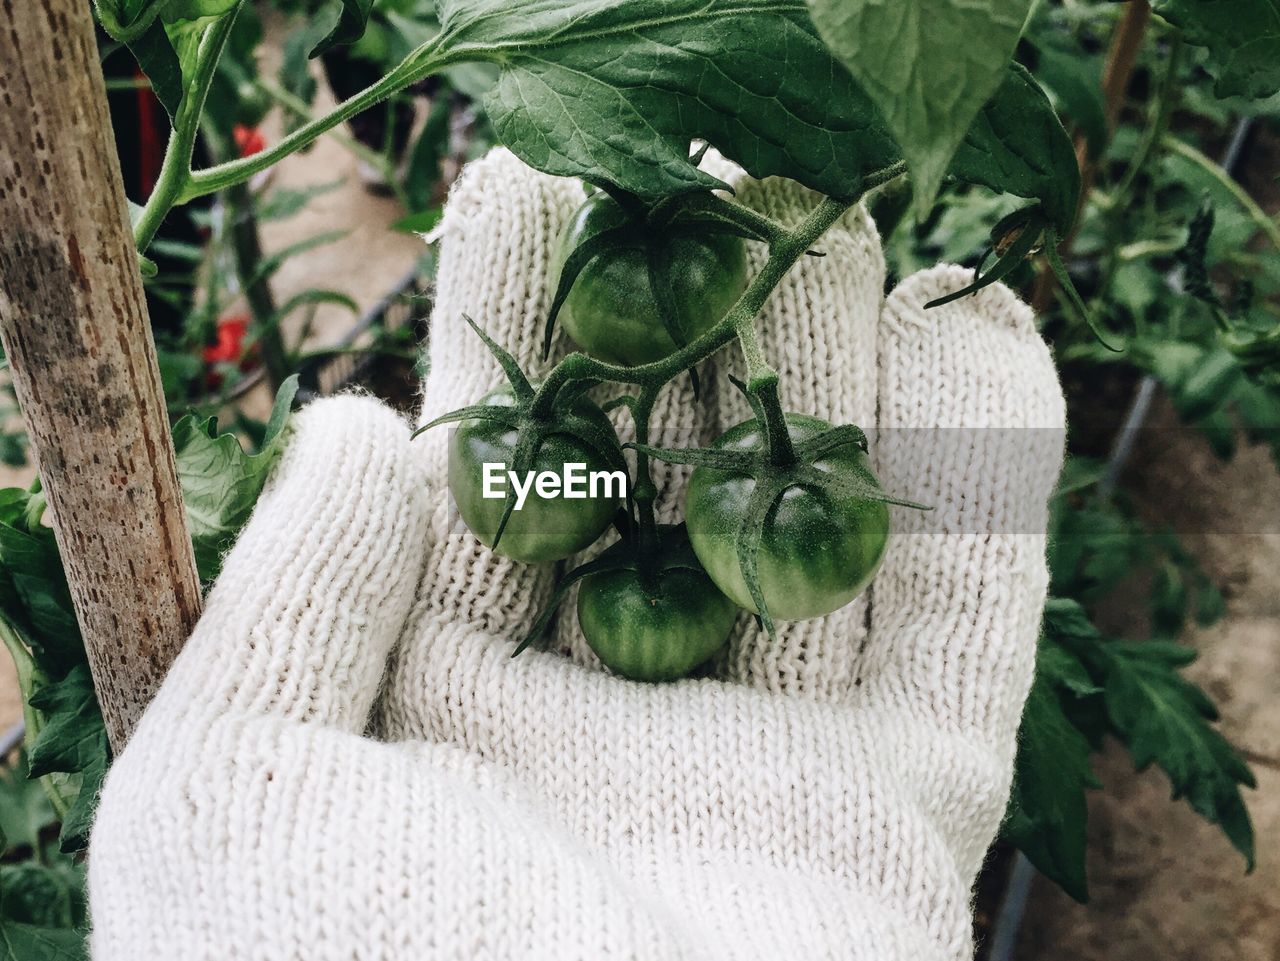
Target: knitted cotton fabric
<point x="830" y="794"/>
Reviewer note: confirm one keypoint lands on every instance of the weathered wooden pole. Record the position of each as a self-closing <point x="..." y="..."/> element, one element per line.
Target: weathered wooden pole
<point x="74" y="326"/>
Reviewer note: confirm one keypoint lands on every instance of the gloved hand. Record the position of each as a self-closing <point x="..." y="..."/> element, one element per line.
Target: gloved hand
<point x="830" y="795"/>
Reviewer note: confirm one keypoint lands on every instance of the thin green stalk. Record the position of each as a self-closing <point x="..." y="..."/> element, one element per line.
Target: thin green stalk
<point x="422" y="62"/>
<point x="645" y="492"/>
<point x="762" y="381"/>
<point x="175" y="171"/>
<point x="360" y="151"/>
<point x="1166" y="98"/>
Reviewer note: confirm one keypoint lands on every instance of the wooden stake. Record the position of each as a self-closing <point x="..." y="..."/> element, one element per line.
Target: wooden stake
<point x="74" y="326"/>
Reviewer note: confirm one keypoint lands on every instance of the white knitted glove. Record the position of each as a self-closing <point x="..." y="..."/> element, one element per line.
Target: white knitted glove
<point x="831" y="797"/>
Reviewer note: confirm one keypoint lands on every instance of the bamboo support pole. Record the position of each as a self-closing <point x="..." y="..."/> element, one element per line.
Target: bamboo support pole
<point x="74" y="326"/>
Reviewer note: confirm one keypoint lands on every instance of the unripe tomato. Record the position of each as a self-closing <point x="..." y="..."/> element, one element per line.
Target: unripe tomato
<point x="657" y="632"/>
<point x="818" y="550"/>
<point x="611" y="311"/>
<point x="252" y="104"/>
<point x="545" y="528"/>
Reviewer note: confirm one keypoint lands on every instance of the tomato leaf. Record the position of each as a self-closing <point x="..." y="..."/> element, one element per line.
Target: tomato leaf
<point x="1242" y="36"/>
<point x="1047" y="813"/>
<point x="1017" y="145"/>
<point x="27" y="942"/>
<point x="350" y="19"/>
<point x="24" y="807"/>
<point x="73" y="735"/>
<point x="220" y="482"/>
<point x="126" y="20"/>
<point x="72" y="740"/>
<point x="928" y="65"/>
<point x="33" y="589"/>
<point x="1164" y="719"/>
<point x="31" y="893"/>
<point x="158" y="59"/>
<point x="614" y="91"/>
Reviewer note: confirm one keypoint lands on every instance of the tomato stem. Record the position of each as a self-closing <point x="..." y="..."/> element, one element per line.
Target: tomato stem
<point x="777" y="439"/>
<point x="175" y="170"/>
<point x="421" y="62"/>
<point x="645" y="492"/>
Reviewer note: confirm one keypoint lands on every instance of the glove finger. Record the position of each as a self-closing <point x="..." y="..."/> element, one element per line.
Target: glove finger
<point x="971" y="422"/>
<point x="498" y="242"/>
<point x="819" y="331"/>
<point x="318" y="585"/>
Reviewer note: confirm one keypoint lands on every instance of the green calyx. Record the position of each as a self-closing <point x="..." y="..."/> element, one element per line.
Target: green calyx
<point x="566" y="417"/>
<point x="772" y="476"/>
<point x="669" y="549"/>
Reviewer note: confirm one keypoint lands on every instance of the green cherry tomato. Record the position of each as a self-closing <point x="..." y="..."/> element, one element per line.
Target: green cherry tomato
<point x="657" y="632"/>
<point x="611" y="311"/>
<point x="545" y="528"/>
<point x="252" y="103"/>
<point x="818" y="551"/>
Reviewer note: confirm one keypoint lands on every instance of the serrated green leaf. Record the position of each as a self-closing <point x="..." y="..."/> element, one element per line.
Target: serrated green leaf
<point x="34" y="593"/>
<point x="220" y="482"/>
<point x="615" y="90"/>
<point x="70" y="749"/>
<point x="73" y="736"/>
<point x="1164" y="719"/>
<point x="1047" y="813"/>
<point x="1242" y="36"/>
<point x="1017" y="145"/>
<point x="928" y="65"/>
<point x="76" y="823"/>
<point x="1063" y="668"/>
<point x="1064" y="617"/>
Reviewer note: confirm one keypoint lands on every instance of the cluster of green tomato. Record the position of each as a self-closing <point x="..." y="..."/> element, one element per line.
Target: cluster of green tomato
<point x="658" y="607"/>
